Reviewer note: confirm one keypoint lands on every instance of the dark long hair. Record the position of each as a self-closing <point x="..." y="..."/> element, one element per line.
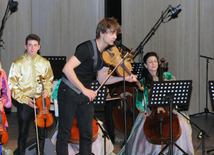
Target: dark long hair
<point x="146" y="75"/>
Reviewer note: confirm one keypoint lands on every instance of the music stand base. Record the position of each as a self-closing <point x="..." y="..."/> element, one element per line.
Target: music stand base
<point x="170" y="151"/>
<point x="206" y="111"/>
<point x="208" y="151"/>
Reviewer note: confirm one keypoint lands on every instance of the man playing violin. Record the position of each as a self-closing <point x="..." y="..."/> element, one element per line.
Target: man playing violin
<point x="25" y="88"/>
<point x="74" y="92"/>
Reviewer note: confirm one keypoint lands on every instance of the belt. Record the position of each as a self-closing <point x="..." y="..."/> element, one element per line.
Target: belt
<point x="69" y="84"/>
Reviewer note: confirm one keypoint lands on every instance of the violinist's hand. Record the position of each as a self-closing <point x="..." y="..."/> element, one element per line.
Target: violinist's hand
<point x="90" y="94"/>
<point x="31" y="103"/>
<point x="145" y="115"/>
<point x="44" y="94"/>
<point x="131" y="78"/>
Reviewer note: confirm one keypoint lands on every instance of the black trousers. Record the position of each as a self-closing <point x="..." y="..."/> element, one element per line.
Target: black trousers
<point x="109" y="122"/>
<point x="25" y="116"/>
<point x="73" y="105"/>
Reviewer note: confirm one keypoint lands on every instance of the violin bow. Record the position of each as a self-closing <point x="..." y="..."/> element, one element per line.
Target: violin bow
<point x="37" y="135"/>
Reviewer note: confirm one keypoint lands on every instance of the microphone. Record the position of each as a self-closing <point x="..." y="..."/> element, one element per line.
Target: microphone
<point x="13" y="6"/>
<point x="175" y="11"/>
<point x="119" y="44"/>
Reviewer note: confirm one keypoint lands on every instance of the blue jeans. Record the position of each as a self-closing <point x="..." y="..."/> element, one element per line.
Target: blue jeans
<point x="73" y="105"/>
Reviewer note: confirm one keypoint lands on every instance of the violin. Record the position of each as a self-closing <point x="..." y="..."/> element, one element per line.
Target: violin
<point x="44" y="117"/>
<point x="157" y="124"/>
<point x="74" y="138"/>
<point x="3" y="132"/>
<point x="112" y="57"/>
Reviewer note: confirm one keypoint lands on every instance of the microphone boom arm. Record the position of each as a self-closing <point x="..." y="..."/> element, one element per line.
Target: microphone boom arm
<point x="152" y="32"/>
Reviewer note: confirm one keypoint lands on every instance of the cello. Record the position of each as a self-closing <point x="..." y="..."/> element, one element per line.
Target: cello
<point x="118" y="109"/>
<point x="157" y="124"/>
<point x="112" y="57"/>
<point x="74" y="138"/>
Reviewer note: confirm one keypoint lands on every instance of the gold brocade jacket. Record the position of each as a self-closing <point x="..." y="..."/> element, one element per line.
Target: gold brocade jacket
<point x="24" y="80"/>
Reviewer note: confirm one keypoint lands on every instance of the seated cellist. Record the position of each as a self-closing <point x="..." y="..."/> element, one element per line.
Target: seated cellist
<point x="137" y="141"/>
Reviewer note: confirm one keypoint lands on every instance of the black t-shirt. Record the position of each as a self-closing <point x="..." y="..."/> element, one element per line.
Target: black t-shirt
<point x="85" y="71"/>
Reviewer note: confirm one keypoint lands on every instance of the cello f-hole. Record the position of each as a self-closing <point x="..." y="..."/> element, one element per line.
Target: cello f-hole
<point x="121" y="105"/>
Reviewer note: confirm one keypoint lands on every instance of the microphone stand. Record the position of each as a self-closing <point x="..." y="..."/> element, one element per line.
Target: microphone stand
<point x="105" y="134"/>
<point x="124" y="102"/>
<point x="164" y="15"/>
<point x="151" y="33"/>
<point x="2" y="26"/>
<point x="202" y="134"/>
<point x="206" y="110"/>
<point x="11" y="7"/>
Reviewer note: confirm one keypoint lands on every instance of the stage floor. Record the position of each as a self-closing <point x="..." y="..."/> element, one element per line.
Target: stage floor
<point x="203" y="122"/>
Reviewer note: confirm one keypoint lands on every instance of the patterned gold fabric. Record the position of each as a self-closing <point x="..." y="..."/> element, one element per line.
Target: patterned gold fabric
<point x="24" y="77"/>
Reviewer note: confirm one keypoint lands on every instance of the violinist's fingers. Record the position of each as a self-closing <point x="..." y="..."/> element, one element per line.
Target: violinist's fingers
<point x="90" y="94"/>
<point x="131" y="78"/>
<point x="31" y="103"/>
<point x="44" y="94"/>
<point x="134" y="75"/>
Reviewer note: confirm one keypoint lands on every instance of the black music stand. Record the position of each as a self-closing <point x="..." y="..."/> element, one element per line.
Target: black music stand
<point x="100" y="101"/>
<point x="137" y="69"/>
<point x="57" y="64"/>
<point x="170" y="93"/>
<point x="211" y="91"/>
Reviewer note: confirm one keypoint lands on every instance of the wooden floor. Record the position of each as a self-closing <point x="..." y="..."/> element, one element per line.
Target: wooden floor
<point x="200" y="123"/>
